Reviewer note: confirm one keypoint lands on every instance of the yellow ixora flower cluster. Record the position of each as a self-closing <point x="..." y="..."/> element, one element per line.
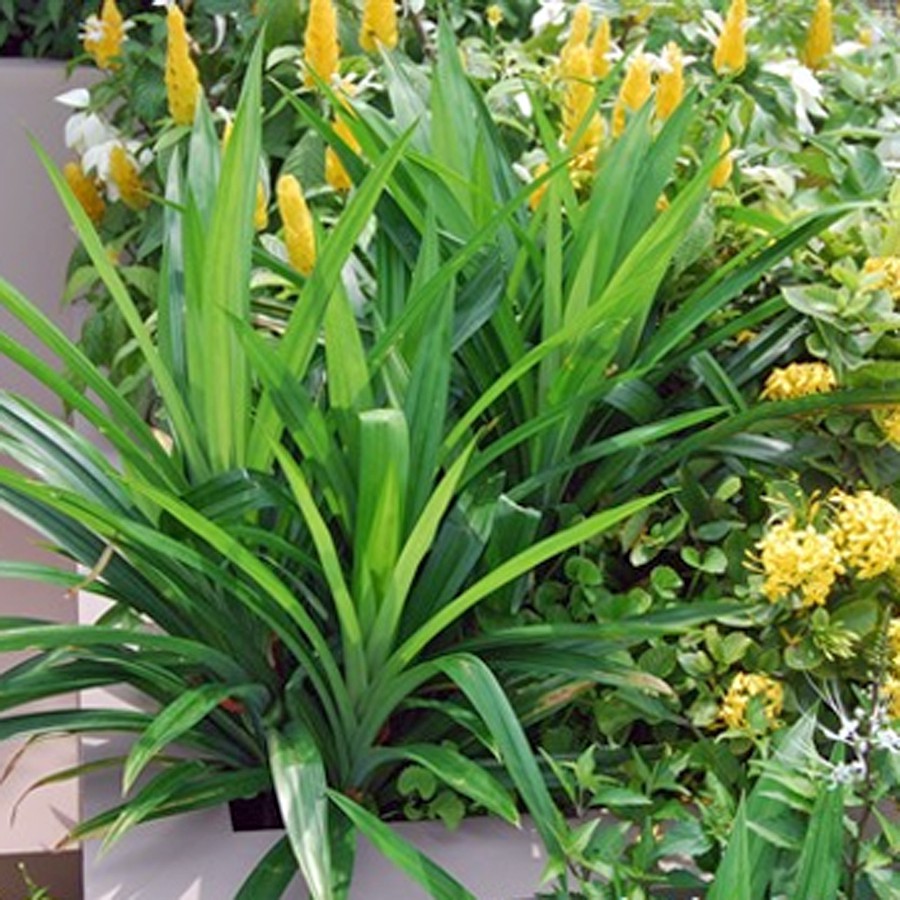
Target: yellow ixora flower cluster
<point x="735" y="705"/>
<point x="799" y="380"/>
<point x="867" y="529"/>
<point x="886" y="273"/>
<point x="799" y="559"/>
<point x="863" y="538"/>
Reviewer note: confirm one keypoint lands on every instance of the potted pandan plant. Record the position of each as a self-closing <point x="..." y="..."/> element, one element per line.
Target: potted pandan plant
<point x="294" y="544"/>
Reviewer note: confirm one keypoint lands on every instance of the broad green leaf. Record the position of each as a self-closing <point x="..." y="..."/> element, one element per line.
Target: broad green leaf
<point x="300" y="784"/>
<point x="272" y="875"/>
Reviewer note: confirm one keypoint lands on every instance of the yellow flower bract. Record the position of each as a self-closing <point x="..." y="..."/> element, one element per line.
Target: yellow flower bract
<point x="819" y="40"/>
<point x="725" y="166"/>
<point x="635" y="91"/>
<point x="85" y="190"/>
<point x="670" y="87"/>
<point x="379" y="25"/>
<point x="299" y="231"/>
<point x="731" y="50"/>
<point x="321" y="50"/>
<point x="106" y="45"/>
<point x="801" y="560"/>
<point x="799" y="380"/>
<point x="600" y="48"/>
<point x="494" y="15"/>
<point x="182" y="80"/>
<point x="124" y="175"/>
<point x="867" y="532"/>
<point x="335" y="172"/>
<point x="745" y="686"/>
<point x="577" y="103"/>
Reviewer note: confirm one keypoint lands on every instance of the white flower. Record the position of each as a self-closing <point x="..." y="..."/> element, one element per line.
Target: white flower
<point x="808" y="92"/>
<point x="77" y="98"/>
<point x="85" y="130"/>
<point x="550" y="12"/>
<point x="886" y="739"/>
<point x="780" y="176"/>
<point x="92" y="29"/>
<point x="96" y="159"/>
<point x="523" y="102"/>
<point x="847" y="773"/>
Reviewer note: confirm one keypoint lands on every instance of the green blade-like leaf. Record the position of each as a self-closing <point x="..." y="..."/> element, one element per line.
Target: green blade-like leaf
<point x="300" y="784"/>
<point x="821" y="865"/>
<point x="734" y="876"/>
<point x="272" y="874"/>
<point x="413" y="862"/>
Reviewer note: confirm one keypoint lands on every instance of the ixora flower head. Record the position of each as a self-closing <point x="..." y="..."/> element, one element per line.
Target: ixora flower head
<point x="104" y="35"/>
<point x="799" y="380"/>
<point x="801" y="560"/>
<point x="736" y="712"/>
<point x="885" y="272"/>
<point x="867" y="532"/>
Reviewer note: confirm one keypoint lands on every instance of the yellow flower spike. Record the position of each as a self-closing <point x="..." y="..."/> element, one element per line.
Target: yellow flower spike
<point x="731" y="50"/>
<point x="321" y="49"/>
<point x="104" y="36"/>
<point x="494" y="15"/>
<point x="299" y="231"/>
<point x="670" y="87"/>
<point x="887" y="268"/>
<point x="867" y="532"/>
<point x="635" y="90"/>
<point x="819" y="39"/>
<point x="744" y="686"/>
<point x="125" y="176"/>
<point x="725" y="166"/>
<point x="600" y="47"/>
<point x="335" y="173"/>
<point x="579" y="32"/>
<point x="85" y="190"/>
<point x="537" y="195"/>
<point x="379" y="26"/>
<point x="799" y="380"/>
<point x="261" y="211"/>
<point x="893" y="637"/>
<point x="182" y="80"/>
<point x="801" y="560"/>
<point x="577" y="102"/>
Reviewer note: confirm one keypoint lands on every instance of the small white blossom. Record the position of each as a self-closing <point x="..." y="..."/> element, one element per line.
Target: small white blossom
<point x="847" y="773"/>
<point x="808" y="92"/>
<point x="550" y="12"/>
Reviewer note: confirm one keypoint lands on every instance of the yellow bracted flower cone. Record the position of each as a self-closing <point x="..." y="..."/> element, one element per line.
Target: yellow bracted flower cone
<point x="725" y="166"/>
<point x="731" y="50"/>
<point x="335" y="173"/>
<point x="579" y="32"/>
<point x="635" y="91"/>
<point x="299" y="232"/>
<point x="85" y="190"/>
<point x="379" y="26"/>
<point x="321" y="49"/>
<point x="819" y="40"/>
<point x="261" y="210"/>
<point x="534" y="201"/>
<point x="105" y="35"/>
<point x="600" y="47"/>
<point x="579" y="98"/>
<point x="670" y="87"/>
<point x="182" y="80"/>
<point x="125" y="177"/>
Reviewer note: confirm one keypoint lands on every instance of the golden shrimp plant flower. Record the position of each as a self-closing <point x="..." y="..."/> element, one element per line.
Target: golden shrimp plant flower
<point x="182" y="80"/>
<point x="743" y="688"/>
<point x="103" y="36"/>
<point x="124" y="174"/>
<point x="321" y="48"/>
<point x="578" y="102"/>
<point x="725" y="166"/>
<point x="299" y="230"/>
<point x="670" y="85"/>
<point x="799" y="559"/>
<point x="635" y="91"/>
<point x="86" y="191"/>
<point x="730" y="56"/>
<point x="379" y="26"/>
<point x="579" y="32"/>
<point x="799" y="380"/>
<point x="601" y="48"/>
<point x="867" y="532"/>
<point x="819" y="38"/>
